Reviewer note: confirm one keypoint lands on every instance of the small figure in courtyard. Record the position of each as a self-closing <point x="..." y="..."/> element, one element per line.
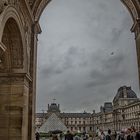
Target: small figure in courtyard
<point x="68" y="136"/>
<point x="133" y="132"/>
<point x="90" y="137"/>
<point x="137" y="136"/>
<point x="102" y="136"/>
<point x="37" y="136"/>
<point x="60" y="136"/>
<point x="108" y="136"/>
<point x="77" y="137"/>
<point x="121" y="136"/>
<point x="54" y="137"/>
<point x="84" y="136"/>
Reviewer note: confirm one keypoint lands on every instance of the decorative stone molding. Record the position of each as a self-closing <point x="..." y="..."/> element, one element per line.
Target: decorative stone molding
<point x="4" y="80"/>
<point x="2" y="57"/>
<point x="3" y="4"/>
<point x="134" y="8"/>
<point x="39" y="7"/>
<point x="14" y="80"/>
<point x="16" y="53"/>
<point x="31" y="2"/>
<point x="136" y="27"/>
<point x="130" y="5"/>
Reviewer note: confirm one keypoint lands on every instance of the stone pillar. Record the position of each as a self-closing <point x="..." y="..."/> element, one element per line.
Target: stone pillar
<point x="14" y="92"/>
<point x="136" y="30"/>
<point x="32" y="97"/>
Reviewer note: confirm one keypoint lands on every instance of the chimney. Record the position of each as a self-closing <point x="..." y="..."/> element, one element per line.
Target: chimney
<point x="125" y="92"/>
<point x="48" y="106"/>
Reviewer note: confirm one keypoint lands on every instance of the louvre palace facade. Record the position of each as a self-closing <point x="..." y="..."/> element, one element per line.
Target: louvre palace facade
<point x="73" y="121"/>
<point x="123" y="112"/>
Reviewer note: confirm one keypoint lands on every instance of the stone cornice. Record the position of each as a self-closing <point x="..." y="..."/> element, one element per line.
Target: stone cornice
<point x="136" y="23"/>
<point x="15" y="78"/>
<point x="10" y="75"/>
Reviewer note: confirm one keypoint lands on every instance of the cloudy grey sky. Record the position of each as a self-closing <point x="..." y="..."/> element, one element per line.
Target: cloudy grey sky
<point x="85" y="53"/>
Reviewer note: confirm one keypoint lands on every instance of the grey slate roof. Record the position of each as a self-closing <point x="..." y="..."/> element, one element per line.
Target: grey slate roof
<point x="66" y="115"/>
<point x="40" y="115"/>
<point x="120" y="93"/>
<point x="76" y="115"/>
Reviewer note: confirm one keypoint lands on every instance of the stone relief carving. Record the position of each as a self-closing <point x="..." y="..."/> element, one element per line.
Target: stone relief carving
<point x="3" y="4"/>
<point x="14" y="2"/>
<point x="17" y="53"/>
<point x="40" y="8"/>
<point x="31" y="2"/>
<point x="28" y="43"/>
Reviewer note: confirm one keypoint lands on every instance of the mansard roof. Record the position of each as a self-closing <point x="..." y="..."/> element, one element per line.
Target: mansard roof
<point x="76" y="115"/>
<point x="40" y="115"/>
<point x="124" y="91"/>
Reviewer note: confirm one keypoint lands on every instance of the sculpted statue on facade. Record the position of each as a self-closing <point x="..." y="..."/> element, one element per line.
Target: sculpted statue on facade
<point x="3" y="4"/>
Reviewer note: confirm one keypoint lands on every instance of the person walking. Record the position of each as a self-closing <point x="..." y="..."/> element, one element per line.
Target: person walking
<point x="76" y="137"/>
<point x="84" y="136"/>
<point x="54" y="137"/>
<point x="137" y="137"/>
<point x="108" y="136"/>
<point x="121" y="136"/>
<point x="68" y="136"/>
<point x="102" y="136"/>
<point x="37" y="136"/>
<point x="129" y="135"/>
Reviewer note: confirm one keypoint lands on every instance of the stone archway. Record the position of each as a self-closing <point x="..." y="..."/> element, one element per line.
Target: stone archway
<point x="19" y="27"/>
<point x="11" y="58"/>
<point x="14" y="78"/>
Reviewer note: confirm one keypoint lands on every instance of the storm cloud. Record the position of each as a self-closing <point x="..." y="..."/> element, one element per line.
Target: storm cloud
<point x="85" y="53"/>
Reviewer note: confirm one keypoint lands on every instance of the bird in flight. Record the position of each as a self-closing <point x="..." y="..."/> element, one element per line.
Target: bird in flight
<point x="112" y="53"/>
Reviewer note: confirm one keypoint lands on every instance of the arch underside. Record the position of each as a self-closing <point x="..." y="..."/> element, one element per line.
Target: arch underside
<point x="11" y="57"/>
<point x="13" y="44"/>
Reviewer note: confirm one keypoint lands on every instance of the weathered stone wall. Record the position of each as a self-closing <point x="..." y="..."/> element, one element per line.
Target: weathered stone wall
<point x="13" y="107"/>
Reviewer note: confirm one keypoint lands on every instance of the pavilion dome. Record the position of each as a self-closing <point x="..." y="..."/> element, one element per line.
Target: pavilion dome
<point x="125" y="92"/>
<point x="53" y="107"/>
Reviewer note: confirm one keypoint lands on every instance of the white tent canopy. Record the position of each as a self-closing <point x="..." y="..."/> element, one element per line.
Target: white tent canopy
<point x="52" y="123"/>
